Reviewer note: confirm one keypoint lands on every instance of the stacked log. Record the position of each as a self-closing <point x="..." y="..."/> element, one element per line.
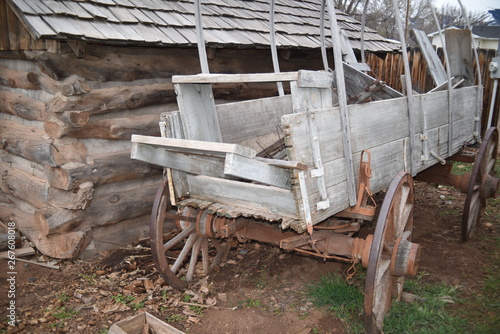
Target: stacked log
<point x="67" y="177"/>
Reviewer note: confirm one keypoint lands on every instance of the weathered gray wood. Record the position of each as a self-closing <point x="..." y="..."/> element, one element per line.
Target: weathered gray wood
<point x="194" y="164"/>
<point x="283" y="163"/>
<point x="434" y="64"/>
<point x="377" y="123"/>
<point x="139" y="323"/>
<point x="356" y="81"/>
<point x="309" y="99"/>
<point x="255" y="170"/>
<point x="197" y="107"/>
<point x="318" y="79"/>
<point x="248" y="120"/>
<point x="235" y="78"/>
<point x="458" y="44"/>
<point x="259" y="197"/>
<point x="195" y="146"/>
<point x="315" y="79"/>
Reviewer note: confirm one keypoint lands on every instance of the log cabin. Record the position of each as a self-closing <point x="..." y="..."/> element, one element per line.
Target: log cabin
<point x="77" y="78"/>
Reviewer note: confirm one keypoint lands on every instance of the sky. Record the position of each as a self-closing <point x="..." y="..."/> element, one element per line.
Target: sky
<point x="472" y="5"/>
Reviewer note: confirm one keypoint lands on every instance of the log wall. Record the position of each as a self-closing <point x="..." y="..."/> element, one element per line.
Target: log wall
<point x="65" y="128"/>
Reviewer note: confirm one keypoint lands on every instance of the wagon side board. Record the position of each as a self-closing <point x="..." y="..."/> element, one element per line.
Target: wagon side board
<point x="382" y="128"/>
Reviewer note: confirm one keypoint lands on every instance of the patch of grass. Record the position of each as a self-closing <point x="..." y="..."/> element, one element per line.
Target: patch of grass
<point x="345" y="300"/>
<point x="176" y="318"/>
<point x="120" y="298"/>
<point x="251" y="303"/>
<point x="186" y="298"/>
<point x="460" y="168"/>
<point x="450" y="212"/>
<point x="431" y="314"/>
<point x="428" y="315"/>
<point x="137" y="306"/>
<point x="483" y="309"/>
<point x="62" y="314"/>
<point x="198" y="310"/>
<point x="63" y="297"/>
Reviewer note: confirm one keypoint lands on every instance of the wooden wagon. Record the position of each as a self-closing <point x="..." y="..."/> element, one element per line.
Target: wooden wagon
<point x="299" y="171"/>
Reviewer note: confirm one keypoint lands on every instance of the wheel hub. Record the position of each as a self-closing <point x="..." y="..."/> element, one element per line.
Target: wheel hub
<point x="489" y="187"/>
<point x="405" y="258"/>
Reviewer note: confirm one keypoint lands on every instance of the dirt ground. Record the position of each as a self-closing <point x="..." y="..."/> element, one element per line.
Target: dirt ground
<point x="259" y="289"/>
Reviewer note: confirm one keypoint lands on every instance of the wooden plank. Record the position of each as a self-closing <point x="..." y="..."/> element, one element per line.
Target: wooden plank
<point x="459" y="46"/>
<point x="248" y="120"/>
<point x="315" y="79"/>
<point x="197" y="108"/>
<point x="357" y="80"/>
<point x="235" y="78"/>
<point x="283" y="163"/>
<point x="194" y="164"/>
<point x="310" y="98"/>
<point x="195" y="146"/>
<point x="259" y="197"/>
<point x="255" y="170"/>
<point x="377" y="123"/>
<point x="434" y="64"/>
<point x="318" y="79"/>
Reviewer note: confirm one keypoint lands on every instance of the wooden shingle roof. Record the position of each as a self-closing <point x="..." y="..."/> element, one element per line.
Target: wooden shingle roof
<point x="227" y="23"/>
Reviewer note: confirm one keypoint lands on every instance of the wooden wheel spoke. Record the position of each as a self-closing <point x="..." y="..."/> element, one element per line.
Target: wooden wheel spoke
<point x="185" y="251"/>
<point x="194" y="259"/>
<point x="205" y="256"/>
<point x="406" y="213"/>
<point x="175" y="240"/>
<point x="491" y="165"/>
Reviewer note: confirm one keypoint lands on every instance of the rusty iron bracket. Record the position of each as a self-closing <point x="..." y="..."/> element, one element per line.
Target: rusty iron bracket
<point x="362" y="210"/>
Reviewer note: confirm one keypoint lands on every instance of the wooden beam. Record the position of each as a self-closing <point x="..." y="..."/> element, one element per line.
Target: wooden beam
<point x="255" y="170"/>
<point x="194" y="164"/>
<point x="197" y="110"/>
<point x="195" y="146"/>
<point x="318" y="79"/>
<point x="434" y="64"/>
<point x="262" y="198"/>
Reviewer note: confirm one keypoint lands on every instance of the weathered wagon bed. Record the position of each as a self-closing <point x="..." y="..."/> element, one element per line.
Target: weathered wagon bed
<point x="216" y="174"/>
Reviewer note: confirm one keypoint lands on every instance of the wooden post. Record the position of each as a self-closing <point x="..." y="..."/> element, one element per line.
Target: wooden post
<point x="342" y="96"/>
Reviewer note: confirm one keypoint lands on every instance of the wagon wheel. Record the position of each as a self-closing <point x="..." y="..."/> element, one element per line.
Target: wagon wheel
<point x="482" y="184"/>
<point x="194" y="236"/>
<point x="392" y="255"/>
